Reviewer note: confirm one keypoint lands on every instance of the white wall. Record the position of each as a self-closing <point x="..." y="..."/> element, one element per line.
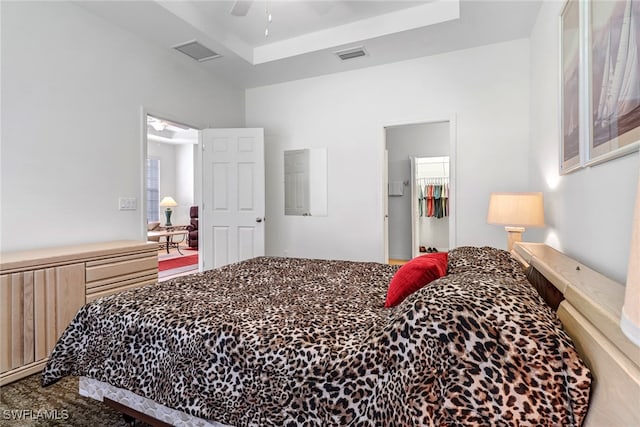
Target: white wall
<point x="176" y="177"/>
<point x="184" y="183"/>
<point x="416" y="140"/>
<point x="347" y="112"/>
<point x="73" y="86"/>
<point x="166" y="153"/>
<point x="434" y="233"/>
<point x="318" y="197"/>
<point x="588" y="212"/>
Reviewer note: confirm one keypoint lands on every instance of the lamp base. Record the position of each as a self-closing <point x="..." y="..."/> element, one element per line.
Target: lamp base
<point x="514" y="234"/>
<point x="167" y="213"/>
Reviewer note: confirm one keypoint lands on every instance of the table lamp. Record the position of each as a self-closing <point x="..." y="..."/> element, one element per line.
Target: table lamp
<point x="516" y="211"/>
<point x="630" y="319"/>
<point x="168" y="202"/>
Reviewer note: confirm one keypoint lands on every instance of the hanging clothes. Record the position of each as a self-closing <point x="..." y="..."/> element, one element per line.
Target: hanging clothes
<point x="445" y="203"/>
<point x="437" y="201"/>
<point x="430" y="206"/>
<point x="433" y="197"/>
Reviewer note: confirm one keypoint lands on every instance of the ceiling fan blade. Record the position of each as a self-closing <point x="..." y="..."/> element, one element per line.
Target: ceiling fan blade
<point x="241" y="7"/>
<point x="321" y="7"/>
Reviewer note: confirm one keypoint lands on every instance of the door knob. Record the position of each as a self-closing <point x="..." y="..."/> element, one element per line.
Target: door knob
<point x="258" y="219"/>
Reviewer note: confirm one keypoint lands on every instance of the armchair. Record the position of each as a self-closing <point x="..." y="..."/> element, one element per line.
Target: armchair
<point x="192" y="237"/>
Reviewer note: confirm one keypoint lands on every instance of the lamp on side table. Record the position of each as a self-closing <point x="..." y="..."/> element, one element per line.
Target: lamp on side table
<point x="516" y="211"/>
<point x="168" y="202"/>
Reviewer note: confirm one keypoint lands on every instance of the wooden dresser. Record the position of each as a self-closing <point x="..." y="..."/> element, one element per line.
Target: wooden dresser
<point x="42" y="290"/>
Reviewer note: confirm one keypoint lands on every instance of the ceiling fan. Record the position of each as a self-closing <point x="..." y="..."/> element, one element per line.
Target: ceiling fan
<point x="241" y="7"/>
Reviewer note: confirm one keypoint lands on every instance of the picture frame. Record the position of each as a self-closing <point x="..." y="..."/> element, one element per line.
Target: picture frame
<point x="571" y="97"/>
<point x="614" y="79"/>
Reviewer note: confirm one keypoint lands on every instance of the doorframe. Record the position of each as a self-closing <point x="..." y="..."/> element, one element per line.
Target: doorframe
<point x="453" y="219"/>
<point x="197" y="166"/>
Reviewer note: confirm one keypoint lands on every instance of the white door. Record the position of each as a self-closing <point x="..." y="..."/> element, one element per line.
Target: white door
<point x="415" y="218"/>
<point x="385" y="206"/>
<point x="296" y="183"/>
<point x="232" y="214"/>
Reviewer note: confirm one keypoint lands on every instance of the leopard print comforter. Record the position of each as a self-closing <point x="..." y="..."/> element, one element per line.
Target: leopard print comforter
<point x="287" y="342"/>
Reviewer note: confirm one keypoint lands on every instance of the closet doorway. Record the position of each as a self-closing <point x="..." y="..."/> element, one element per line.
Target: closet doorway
<point x="430" y="207"/>
<point x="420" y="188"/>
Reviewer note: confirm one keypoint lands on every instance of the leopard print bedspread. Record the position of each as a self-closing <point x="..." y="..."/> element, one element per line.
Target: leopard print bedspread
<point x="287" y="342"/>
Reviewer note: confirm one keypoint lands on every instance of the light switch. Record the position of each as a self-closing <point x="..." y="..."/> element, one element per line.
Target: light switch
<point x="127" y="203"/>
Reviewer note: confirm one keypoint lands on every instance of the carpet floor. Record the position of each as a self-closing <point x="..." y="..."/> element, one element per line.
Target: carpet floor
<point x="25" y="403"/>
<point x="174" y="257"/>
<point x="178" y="262"/>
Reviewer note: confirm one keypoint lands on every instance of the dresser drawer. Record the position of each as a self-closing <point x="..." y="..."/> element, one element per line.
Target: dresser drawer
<point x="116" y="287"/>
<point x="115" y="268"/>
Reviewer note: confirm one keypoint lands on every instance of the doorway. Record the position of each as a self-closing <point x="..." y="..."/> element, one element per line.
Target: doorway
<point x="429" y="204"/>
<point x="225" y="181"/>
<point x="420" y="156"/>
<point x="171" y="218"/>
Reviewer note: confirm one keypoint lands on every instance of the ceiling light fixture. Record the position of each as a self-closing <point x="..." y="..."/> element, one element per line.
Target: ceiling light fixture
<point x="158" y="125"/>
<point x="269" y="19"/>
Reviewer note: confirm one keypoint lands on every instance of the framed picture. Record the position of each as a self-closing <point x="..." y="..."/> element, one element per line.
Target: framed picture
<point x="570" y="36"/>
<point x="614" y="40"/>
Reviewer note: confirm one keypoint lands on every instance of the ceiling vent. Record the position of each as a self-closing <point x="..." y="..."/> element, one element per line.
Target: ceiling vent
<point x="197" y="51"/>
<point x="354" y="52"/>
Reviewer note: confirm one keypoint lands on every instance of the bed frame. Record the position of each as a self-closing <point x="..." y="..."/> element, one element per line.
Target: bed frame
<point x="590" y="313"/>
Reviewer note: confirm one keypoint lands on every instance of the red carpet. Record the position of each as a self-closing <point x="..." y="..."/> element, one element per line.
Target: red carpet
<point x="177" y="262"/>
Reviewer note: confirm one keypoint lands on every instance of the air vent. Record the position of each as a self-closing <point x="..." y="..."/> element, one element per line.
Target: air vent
<point x="354" y="52"/>
<point x="197" y="51"/>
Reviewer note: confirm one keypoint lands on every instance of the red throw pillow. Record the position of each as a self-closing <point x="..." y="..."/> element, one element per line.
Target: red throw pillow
<point x="414" y="275"/>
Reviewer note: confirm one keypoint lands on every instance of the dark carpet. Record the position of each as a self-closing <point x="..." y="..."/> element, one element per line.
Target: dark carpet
<point x="26" y="403"/>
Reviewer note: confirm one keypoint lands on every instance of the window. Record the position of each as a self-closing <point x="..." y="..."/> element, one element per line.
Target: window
<point x="153" y="190"/>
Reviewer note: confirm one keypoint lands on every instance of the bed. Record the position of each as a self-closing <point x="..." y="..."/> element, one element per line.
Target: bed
<point x="283" y="341"/>
<point x="590" y="313"/>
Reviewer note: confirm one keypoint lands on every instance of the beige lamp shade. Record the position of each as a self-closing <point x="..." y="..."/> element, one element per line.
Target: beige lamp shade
<point x="630" y="320"/>
<point x="168" y="202"/>
<point x="516" y="209"/>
